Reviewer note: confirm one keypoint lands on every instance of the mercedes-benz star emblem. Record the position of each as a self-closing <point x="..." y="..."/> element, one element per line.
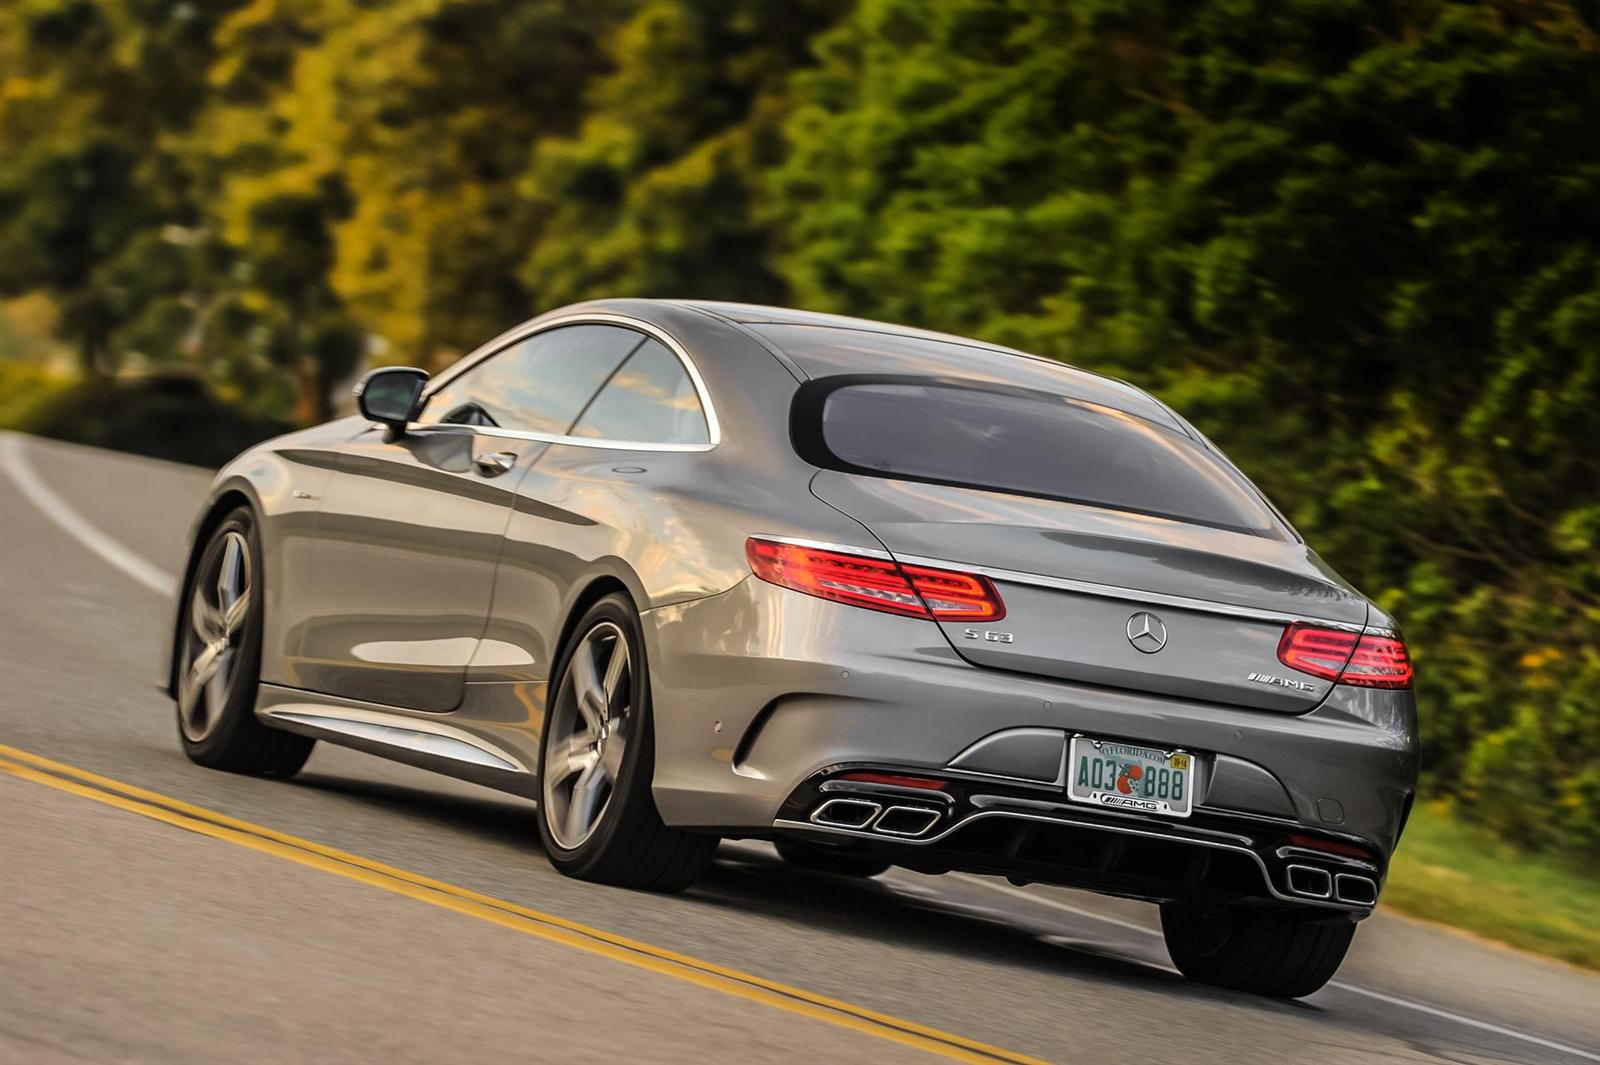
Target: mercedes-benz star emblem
<point x="1147" y="633"/>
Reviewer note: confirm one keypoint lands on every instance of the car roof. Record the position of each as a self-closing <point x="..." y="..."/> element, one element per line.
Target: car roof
<point x="823" y="345"/>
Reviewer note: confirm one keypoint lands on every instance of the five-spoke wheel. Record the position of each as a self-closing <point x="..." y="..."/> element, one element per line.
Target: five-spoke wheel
<point x="589" y="728"/>
<point x="218" y="605"/>
<point x="219" y="662"/>
<point x="597" y="816"/>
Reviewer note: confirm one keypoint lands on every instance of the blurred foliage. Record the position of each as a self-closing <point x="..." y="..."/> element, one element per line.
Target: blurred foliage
<point x="1464" y="876"/>
<point x="26" y="387"/>
<point x="1357" y="242"/>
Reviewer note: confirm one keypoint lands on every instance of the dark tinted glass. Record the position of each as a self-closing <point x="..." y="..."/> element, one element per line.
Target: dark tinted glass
<point x="536" y="385"/>
<point x="649" y="401"/>
<point x="1040" y="445"/>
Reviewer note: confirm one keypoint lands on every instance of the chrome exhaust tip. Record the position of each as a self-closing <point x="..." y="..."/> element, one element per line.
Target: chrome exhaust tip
<point x="1356" y="890"/>
<point x="906" y="821"/>
<point x="846" y="813"/>
<point x="1310" y="881"/>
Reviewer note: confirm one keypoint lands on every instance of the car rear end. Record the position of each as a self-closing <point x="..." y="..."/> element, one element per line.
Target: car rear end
<point x="1088" y="768"/>
<point x="1069" y="642"/>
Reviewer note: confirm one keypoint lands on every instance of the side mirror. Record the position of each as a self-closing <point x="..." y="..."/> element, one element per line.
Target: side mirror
<point x="389" y="396"/>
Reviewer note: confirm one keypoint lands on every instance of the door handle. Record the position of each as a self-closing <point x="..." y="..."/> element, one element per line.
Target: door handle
<point x="493" y="465"/>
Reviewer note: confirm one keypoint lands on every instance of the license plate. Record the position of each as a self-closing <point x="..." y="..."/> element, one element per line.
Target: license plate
<point x="1124" y="776"/>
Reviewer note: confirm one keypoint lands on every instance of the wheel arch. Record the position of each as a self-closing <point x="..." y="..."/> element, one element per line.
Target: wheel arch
<point x="585" y="596"/>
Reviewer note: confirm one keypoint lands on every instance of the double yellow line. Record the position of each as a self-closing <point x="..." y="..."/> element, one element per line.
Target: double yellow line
<point x="546" y="926"/>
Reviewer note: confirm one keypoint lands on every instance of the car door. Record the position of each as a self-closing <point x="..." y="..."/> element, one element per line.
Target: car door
<point x="610" y="490"/>
<point x="411" y="527"/>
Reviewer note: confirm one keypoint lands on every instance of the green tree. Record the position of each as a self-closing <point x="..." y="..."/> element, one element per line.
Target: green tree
<point x="90" y="97"/>
<point x="660" y="192"/>
<point x="399" y="133"/>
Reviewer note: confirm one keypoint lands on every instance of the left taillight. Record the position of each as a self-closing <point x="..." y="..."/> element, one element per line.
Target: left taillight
<point x="875" y="583"/>
<point x="1367" y="660"/>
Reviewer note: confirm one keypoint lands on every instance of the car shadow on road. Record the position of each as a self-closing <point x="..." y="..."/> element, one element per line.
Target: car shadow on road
<point x="507" y="821"/>
<point x="755" y="882"/>
<point x="872" y="911"/>
<point x="876" y="912"/>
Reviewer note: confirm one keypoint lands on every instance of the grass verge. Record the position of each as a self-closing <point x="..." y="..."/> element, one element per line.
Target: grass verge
<point x="1455" y="874"/>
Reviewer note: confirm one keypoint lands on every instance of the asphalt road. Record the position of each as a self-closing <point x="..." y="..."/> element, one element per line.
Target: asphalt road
<point x="133" y="931"/>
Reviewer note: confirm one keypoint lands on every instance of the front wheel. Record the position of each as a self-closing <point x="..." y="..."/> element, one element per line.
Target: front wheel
<point x="1276" y="953"/>
<point x="219" y="663"/>
<point x="597" y="817"/>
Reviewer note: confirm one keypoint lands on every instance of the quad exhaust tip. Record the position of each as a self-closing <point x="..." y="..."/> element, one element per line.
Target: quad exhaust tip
<point x="846" y="813"/>
<point x="1310" y="881"/>
<point x="906" y="821"/>
<point x="866" y="815"/>
<point x="1356" y="890"/>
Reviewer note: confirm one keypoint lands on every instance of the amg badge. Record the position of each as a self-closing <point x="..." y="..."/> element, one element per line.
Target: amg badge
<point x="1282" y="682"/>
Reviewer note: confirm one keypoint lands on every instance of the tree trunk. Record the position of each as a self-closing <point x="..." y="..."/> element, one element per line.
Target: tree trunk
<point x="92" y="337"/>
<point x="311" y="406"/>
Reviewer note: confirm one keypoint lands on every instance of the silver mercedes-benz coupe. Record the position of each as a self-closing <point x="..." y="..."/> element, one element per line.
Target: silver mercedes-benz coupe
<point x="683" y="571"/>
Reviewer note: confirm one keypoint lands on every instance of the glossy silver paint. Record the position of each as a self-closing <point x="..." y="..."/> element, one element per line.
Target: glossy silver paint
<point x="418" y="590"/>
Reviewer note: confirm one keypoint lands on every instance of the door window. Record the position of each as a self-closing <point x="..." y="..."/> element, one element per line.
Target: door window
<point x="536" y="385"/>
<point x="650" y="400"/>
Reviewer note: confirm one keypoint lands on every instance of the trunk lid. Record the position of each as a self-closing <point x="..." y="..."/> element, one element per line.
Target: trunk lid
<point x="1078" y="580"/>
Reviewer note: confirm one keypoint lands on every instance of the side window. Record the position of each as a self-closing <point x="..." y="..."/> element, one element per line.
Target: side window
<point x="537" y="385"/>
<point x="650" y="400"/>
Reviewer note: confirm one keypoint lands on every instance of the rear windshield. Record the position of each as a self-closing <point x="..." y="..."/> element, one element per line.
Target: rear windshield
<point x="1032" y="443"/>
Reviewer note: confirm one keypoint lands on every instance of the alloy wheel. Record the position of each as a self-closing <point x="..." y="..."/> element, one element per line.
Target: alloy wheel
<point x="219" y="604"/>
<point x="589" y="730"/>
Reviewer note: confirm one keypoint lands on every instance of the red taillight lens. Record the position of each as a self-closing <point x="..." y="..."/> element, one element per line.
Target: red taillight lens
<point x="1379" y="662"/>
<point x="875" y="583"/>
<point x="1319" y="652"/>
<point x="1369" y="661"/>
<point x="953" y="596"/>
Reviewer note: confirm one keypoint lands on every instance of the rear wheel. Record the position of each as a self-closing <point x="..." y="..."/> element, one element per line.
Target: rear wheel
<point x="597" y="817"/>
<point x="823" y="859"/>
<point x="219" y="663"/>
<point x="1277" y="953"/>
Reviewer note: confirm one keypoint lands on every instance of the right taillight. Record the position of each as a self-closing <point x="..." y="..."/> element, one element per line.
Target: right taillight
<point x="1367" y="660"/>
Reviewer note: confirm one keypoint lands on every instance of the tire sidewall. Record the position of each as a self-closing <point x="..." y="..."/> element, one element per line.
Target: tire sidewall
<point x="241" y="703"/>
<point x="632" y="786"/>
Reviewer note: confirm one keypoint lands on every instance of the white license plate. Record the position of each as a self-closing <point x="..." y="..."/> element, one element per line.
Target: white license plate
<point x="1125" y="776"/>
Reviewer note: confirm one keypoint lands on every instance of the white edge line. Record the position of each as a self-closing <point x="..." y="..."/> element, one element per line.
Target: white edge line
<point x="1340" y="985"/>
<point x="1512" y="1033"/>
<point x="14" y="461"/>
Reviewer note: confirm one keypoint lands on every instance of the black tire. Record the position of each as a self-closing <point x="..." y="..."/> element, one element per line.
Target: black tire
<point x="1271" y="952"/>
<point x="819" y="858"/>
<point x="235" y="741"/>
<point x="627" y="845"/>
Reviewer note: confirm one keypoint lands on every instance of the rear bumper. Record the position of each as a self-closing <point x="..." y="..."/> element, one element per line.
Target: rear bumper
<point x="970" y="824"/>
<point x="761" y="692"/>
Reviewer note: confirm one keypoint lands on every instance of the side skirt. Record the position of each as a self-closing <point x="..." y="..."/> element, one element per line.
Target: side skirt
<point x="398" y="735"/>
